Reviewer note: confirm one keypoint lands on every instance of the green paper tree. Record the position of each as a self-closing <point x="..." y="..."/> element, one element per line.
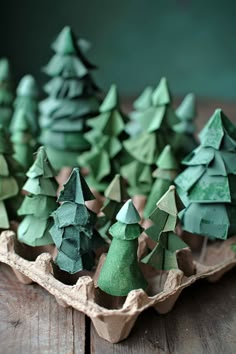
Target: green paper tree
<point x="207" y="185"/>
<point x="24" y="124"/>
<point x="39" y="203"/>
<point x="184" y="140"/>
<point x="144" y="148"/>
<point x="73" y="230"/>
<point x="121" y="273"/>
<point x="6" y="93"/>
<point x="10" y="182"/>
<point x="167" y="170"/>
<point x="72" y="101"/>
<point x="107" y="131"/>
<point x="165" y="218"/>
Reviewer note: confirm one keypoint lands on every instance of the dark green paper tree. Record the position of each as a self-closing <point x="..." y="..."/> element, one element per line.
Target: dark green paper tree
<point x="72" y="101"/>
<point x="39" y="203"/>
<point x="107" y="131"/>
<point x="121" y="273"/>
<point x="6" y="93"/>
<point x="208" y="184"/>
<point x="165" y="218"/>
<point x="73" y="230"/>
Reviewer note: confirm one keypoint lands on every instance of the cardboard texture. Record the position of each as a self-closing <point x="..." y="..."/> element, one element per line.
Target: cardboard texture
<point x="105" y="136"/>
<point x="73" y="230"/>
<point x="207" y="186"/>
<point x="6" y="93"/>
<point x="72" y="100"/>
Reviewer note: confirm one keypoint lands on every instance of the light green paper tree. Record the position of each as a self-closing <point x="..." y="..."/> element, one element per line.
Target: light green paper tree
<point x="207" y="185"/>
<point x="121" y="273"/>
<point x="40" y="202"/>
<point x="6" y="93"/>
<point x="72" y="100"/>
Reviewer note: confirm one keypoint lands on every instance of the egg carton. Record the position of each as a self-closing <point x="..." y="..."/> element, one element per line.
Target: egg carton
<point x="114" y="318"/>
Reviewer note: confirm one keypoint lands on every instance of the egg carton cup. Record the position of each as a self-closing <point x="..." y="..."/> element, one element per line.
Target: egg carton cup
<point x="114" y="318"/>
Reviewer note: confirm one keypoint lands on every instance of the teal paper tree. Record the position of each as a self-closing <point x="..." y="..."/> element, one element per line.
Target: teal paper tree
<point x="143" y="149"/>
<point x="107" y="131"/>
<point x="24" y="125"/>
<point x="207" y="186"/>
<point x="39" y="203"/>
<point x="121" y="273"/>
<point x="165" y="218"/>
<point x="184" y="140"/>
<point x="6" y="93"/>
<point x="167" y="170"/>
<point x="73" y="230"/>
<point x="9" y="182"/>
<point x="71" y="102"/>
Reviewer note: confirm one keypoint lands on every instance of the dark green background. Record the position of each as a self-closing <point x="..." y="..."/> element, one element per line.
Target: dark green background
<point x="135" y="42"/>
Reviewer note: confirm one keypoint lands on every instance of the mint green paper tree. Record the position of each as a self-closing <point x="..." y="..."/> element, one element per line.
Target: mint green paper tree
<point x="72" y="100"/>
<point x="39" y="203"/>
<point x="107" y="131"/>
<point x="207" y="185"/>
<point x="164" y="218"/>
<point x="167" y="170"/>
<point x="73" y="230"/>
<point x="6" y="93"/>
<point x="120" y="272"/>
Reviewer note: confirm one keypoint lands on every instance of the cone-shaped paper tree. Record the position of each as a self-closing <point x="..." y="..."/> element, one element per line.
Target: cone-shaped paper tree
<point x="6" y="93"/>
<point x="207" y="186"/>
<point x="165" y="217"/>
<point x="73" y="231"/>
<point x="24" y="124"/>
<point x="103" y="160"/>
<point x="184" y="140"/>
<point x="40" y="202"/>
<point x="144" y="149"/>
<point x="72" y="100"/>
<point x="167" y="169"/>
<point x="121" y="273"/>
<point x="9" y="181"/>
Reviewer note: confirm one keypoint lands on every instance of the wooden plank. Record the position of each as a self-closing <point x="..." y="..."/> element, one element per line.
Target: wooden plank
<point x="203" y="321"/>
<point x="31" y="321"/>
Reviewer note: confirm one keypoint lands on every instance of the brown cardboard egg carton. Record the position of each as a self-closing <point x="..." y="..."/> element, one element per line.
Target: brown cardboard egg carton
<point x="113" y="318"/>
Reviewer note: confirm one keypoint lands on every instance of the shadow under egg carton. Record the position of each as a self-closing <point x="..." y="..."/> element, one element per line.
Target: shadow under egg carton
<point x="114" y="324"/>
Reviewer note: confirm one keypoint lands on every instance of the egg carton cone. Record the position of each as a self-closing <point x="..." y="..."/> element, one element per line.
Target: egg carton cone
<point x="114" y="318"/>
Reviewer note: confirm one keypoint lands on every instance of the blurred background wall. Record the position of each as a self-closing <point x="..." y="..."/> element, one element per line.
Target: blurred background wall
<point x="135" y="42"/>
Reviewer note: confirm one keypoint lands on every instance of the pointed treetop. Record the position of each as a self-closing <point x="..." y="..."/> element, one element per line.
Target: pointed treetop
<point x="41" y="165"/>
<point x="75" y="189"/>
<point x="187" y="108"/>
<point x="27" y="87"/>
<point x="170" y="202"/>
<point x="144" y="100"/>
<point x="111" y="101"/>
<point x="167" y="160"/>
<point x="5" y="72"/>
<point x="65" y="42"/>
<point x="116" y="190"/>
<point x="161" y="95"/>
<point x="215" y="129"/>
<point x="128" y="214"/>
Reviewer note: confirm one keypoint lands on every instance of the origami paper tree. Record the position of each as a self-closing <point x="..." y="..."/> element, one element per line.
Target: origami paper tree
<point x="104" y="159"/>
<point x="121" y="273"/>
<point x="39" y="203"/>
<point x="73" y="230"/>
<point x="72" y="100"/>
<point x="24" y="124"/>
<point x="167" y="169"/>
<point x="6" y="93"/>
<point x="144" y="149"/>
<point x="207" y="186"/>
<point x="165" y="217"/>
<point x="9" y="181"/>
<point x="184" y="140"/>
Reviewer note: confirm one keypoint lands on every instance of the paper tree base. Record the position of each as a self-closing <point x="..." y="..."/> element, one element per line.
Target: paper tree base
<point x="114" y="324"/>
